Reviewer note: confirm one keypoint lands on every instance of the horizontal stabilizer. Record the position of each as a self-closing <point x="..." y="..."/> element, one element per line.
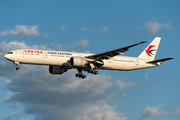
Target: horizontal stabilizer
<point x="161" y="60"/>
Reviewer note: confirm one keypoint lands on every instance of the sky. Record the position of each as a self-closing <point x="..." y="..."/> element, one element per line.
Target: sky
<point x="95" y="26"/>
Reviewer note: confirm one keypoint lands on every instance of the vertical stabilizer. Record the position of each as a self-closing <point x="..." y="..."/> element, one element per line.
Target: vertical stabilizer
<point x="150" y="51"/>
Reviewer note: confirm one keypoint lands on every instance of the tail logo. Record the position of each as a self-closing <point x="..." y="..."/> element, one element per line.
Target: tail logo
<point x="149" y="51"/>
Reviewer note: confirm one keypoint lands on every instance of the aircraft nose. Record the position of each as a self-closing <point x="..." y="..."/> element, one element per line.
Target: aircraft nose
<point x="5" y="56"/>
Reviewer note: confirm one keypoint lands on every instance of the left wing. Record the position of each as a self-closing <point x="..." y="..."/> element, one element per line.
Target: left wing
<point x="112" y="53"/>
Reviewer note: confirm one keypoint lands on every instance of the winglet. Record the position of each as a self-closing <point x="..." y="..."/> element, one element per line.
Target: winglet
<point x="144" y="41"/>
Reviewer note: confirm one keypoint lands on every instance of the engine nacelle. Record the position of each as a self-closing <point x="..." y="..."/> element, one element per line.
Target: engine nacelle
<point x="78" y="61"/>
<point x="56" y="69"/>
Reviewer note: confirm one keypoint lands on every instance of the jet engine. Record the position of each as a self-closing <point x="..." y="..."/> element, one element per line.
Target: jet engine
<point x="56" y="69"/>
<point x="78" y="61"/>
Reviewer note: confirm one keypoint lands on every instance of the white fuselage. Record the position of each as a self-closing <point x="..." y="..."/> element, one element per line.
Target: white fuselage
<point x="61" y="58"/>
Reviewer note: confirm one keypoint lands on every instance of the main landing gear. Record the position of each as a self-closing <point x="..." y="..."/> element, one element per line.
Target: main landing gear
<point x="17" y="64"/>
<point x="80" y="75"/>
<point x="93" y="72"/>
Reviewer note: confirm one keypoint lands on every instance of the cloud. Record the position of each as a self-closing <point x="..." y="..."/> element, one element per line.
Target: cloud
<point x="12" y="117"/>
<point x="22" y="30"/>
<point x="84" y="29"/>
<point x="13" y="45"/>
<point x="82" y="44"/>
<point x="46" y="35"/>
<point x="60" y="47"/>
<point x="59" y="97"/>
<point x="152" y="112"/>
<point x="63" y="28"/>
<point x="105" y="29"/>
<point x="176" y="111"/>
<point x="167" y="26"/>
<point x="146" y="76"/>
<point x="154" y="27"/>
<point x="122" y="85"/>
<point x="103" y="112"/>
<point x="9" y="96"/>
<point x="7" y="81"/>
<point x="155" y="111"/>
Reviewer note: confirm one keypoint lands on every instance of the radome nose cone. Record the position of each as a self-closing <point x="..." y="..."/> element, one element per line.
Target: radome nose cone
<point x="5" y="56"/>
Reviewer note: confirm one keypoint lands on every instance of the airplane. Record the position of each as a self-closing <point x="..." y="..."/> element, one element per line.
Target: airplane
<point x="60" y="62"/>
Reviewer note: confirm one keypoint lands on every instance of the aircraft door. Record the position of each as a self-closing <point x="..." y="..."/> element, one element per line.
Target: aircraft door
<point x="110" y="61"/>
<point x="137" y="63"/>
<point x="22" y="53"/>
<point x="45" y="55"/>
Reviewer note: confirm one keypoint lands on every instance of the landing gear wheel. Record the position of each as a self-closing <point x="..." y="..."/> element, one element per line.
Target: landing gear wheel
<point x="84" y="76"/>
<point x="80" y="75"/>
<point x="96" y="72"/>
<point x="77" y="75"/>
<point x="17" y="68"/>
<point x="89" y="71"/>
<point x="92" y="72"/>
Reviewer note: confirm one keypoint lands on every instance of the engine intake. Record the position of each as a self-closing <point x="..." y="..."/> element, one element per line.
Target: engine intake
<point x="78" y="61"/>
<point x="56" y="70"/>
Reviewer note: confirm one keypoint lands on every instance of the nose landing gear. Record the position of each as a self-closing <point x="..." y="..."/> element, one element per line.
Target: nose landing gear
<point x="17" y="68"/>
<point x="17" y="64"/>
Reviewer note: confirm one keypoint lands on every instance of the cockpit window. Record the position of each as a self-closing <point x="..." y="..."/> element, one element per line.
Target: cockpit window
<point x="10" y="53"/>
